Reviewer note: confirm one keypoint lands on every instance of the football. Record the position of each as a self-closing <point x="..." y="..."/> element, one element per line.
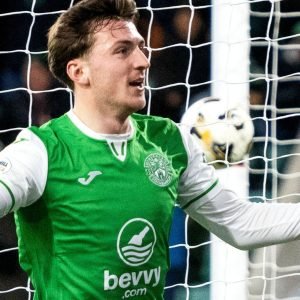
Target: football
<point x="225" y="132"/>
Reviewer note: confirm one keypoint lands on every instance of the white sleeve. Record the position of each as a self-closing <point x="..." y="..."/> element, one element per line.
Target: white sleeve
<point x="23" y="172"/>
<point x="247" y="225"/>
<point x="242" y="224"/>
<point x="199" y="180"/>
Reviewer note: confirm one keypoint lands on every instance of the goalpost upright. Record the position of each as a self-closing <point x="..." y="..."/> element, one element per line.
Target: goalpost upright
<point x="230" y="82"/>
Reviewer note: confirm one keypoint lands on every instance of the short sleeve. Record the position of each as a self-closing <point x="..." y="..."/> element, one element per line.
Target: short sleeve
<point x="23" y="172"/>
<point x="199" y="181"/>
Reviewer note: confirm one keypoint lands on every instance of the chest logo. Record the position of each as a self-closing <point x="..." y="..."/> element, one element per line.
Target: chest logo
<point x="158" y="169"/>
<point x="136" y="242"/>
<point x="91" y="176"/>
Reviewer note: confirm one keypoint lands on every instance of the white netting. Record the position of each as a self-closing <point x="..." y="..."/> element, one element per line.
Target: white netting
<point x="275" y="176"/>
<point x="179" y="38"/>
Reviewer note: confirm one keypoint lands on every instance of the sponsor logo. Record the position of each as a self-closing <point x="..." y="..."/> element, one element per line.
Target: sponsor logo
<point x="135" y="245"/>
<point x="91" y="176"/>
<point x="5" y="165"/>
<point x="132" y="279"/>
<point x="136" y="241"/>
<point x="158" y="169"/>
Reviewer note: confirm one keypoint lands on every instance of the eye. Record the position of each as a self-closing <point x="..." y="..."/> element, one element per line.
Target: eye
<point x="122" y="50"/>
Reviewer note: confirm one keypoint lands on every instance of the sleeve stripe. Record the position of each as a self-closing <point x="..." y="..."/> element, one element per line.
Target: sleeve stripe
<point x="201" y="195"/>
<point x="13" y="201"/>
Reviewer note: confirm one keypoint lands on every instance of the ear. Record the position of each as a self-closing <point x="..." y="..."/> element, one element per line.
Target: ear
<point x="78" y="71"/>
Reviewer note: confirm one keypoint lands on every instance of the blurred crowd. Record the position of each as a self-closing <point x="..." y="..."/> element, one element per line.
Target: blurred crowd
<point x="29" y="95"/>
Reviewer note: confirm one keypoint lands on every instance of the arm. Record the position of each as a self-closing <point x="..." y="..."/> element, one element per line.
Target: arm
<point x="23" y="172"/>
<point x="240" y="223"/>
<point x="247" y="225"/>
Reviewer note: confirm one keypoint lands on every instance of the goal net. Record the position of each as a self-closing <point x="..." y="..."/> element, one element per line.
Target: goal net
<point x="246" y="50"/>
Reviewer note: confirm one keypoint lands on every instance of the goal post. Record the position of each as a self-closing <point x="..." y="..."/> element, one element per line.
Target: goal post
<point x="230" y="32"/>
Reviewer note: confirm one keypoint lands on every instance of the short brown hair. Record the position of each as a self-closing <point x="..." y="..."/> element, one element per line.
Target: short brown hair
<point x="72" y="35"/>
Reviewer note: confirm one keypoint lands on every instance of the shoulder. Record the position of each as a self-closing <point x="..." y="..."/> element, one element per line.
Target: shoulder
<point x="154" y="124"/>
<point x="26" y="141"/>
<point x="51" y="131"/>
<point x="149" y="118"/>
<point x="51" y="126"/>
<point x="164" y="134"/>
<point x="28" y="148"/>
<point x="166" y="129"/>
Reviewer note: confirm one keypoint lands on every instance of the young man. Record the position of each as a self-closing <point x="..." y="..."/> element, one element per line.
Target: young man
<point x="93" y="191"/>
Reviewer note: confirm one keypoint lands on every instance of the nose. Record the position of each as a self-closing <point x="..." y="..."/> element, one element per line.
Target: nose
<point x="141" y="61"/>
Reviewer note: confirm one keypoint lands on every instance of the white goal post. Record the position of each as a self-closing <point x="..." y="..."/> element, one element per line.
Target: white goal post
<point x="272" y="272"/>
<point x="230" y="83"/>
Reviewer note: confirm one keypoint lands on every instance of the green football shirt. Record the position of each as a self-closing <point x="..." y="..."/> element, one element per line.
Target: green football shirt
<point x="100" y="229"/>
<point x="93" y="211"/>
<point x="94" y="222"/>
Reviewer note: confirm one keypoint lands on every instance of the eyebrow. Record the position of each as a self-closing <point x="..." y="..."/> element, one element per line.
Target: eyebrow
<point x="130" y="42"/>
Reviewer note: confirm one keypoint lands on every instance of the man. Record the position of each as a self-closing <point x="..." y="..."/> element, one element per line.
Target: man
<point x="94" y="190"/>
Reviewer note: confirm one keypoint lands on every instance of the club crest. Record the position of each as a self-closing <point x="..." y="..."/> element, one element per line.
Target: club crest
<point x="158" y="169"/>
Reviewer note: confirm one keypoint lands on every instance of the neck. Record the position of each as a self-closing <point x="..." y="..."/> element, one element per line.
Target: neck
<point x="102" y="122"/>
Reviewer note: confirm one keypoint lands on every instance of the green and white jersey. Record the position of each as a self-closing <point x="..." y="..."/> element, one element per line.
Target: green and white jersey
<point x="93" y="212"/>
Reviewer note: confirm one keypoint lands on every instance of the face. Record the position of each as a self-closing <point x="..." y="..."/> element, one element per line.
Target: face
<point x="115" y="68"/>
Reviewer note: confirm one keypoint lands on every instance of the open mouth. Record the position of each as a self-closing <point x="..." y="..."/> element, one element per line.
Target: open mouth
<point x="139" y="83"/>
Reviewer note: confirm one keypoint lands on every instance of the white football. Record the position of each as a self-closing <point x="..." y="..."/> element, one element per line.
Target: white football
<point x="224" y="132"/>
